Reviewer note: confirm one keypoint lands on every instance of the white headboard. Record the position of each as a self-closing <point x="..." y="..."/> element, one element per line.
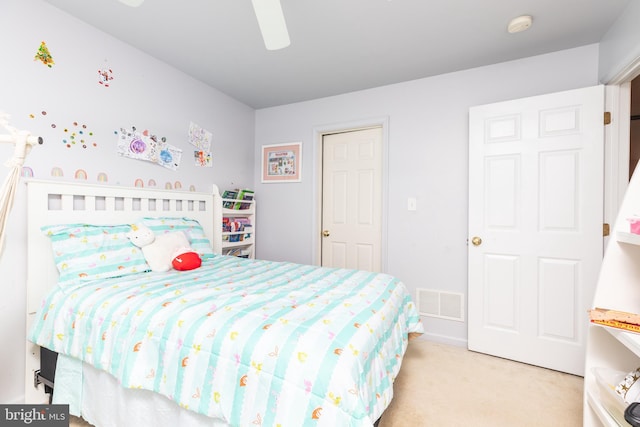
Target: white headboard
<point x="52" y="202"/>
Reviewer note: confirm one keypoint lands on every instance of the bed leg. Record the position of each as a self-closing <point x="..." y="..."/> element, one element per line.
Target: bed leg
<point x="48" y="390"/>
<point x="48" y="385"/>
<point x="47" y="372"/>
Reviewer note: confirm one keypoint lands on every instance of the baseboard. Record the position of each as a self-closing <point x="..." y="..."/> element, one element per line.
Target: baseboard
<point x="443" y="339"/>
<point x="16" y="401"/>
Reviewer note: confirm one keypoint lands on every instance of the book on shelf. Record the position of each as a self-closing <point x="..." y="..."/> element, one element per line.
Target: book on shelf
<point x="246" y="222"/>
<point x="233" y="225"/>
<point x="229" y="195"/>
<point x="238" y="252"/>
<point x="234" y="238"/>
<point x="618" y="325"/>
<point x="245" y="194"/>
<point x="232" y="199"/>
<point x="615" y="319"/>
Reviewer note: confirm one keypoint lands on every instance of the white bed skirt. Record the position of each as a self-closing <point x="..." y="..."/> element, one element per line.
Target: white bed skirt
<point x="98" y="398"/>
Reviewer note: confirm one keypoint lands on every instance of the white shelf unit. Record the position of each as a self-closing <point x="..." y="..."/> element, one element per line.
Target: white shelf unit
<point x="618" y="289"/>
<point x="245" y="244"/>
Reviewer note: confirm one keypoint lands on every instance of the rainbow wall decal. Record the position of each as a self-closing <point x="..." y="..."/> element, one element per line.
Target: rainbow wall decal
<point x="26" y="172"/>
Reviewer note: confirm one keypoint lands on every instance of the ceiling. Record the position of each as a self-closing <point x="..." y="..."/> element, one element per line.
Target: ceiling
<point x="340" y="46"/>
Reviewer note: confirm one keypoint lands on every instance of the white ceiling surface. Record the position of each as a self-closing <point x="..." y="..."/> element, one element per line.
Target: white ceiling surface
<point x="340" y="46"/>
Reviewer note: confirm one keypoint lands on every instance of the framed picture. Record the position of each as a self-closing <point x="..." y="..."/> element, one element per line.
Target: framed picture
<point x="282" y="162"/>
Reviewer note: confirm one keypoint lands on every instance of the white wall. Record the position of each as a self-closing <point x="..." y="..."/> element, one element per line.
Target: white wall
<point x="427" y="159"/>
<point x="145" y="93"/>
<point x="620" y="46"/>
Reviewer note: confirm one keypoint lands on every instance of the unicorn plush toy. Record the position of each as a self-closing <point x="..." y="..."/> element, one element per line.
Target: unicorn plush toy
<point x="164" y="251"/>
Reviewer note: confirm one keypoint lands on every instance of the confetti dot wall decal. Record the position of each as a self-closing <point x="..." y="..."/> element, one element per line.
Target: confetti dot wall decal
<point x="76" y="135"/>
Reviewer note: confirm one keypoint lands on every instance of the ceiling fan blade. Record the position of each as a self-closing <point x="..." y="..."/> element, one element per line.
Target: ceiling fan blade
<point x="272" y="24"/>
<point x="132" y="3"/>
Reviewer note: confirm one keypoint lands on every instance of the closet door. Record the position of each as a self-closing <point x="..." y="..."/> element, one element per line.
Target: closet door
<point x="352" y="199"/>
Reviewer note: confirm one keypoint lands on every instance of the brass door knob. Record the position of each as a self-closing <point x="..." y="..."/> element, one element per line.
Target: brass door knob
<point x="326" y="233"/>
<point x="476" y="241"/>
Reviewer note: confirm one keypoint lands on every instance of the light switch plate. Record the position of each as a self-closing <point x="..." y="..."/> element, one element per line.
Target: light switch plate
<point x="412" y="204"/>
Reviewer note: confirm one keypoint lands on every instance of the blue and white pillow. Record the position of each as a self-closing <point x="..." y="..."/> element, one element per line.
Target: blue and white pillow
<point x="85" y="252"/>
<point x="190" y="227"/>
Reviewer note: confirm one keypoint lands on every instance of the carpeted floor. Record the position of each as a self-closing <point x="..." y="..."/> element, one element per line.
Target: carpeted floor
<point x="441" y="385"/>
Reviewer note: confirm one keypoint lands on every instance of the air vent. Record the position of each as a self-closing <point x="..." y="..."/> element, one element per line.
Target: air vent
<point x="441" y="304"/>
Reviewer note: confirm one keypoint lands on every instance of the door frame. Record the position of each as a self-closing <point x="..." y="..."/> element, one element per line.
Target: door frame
<point x="616" y="169"/>
<point x="616" y="155"/>
<point x="318" y="133"/>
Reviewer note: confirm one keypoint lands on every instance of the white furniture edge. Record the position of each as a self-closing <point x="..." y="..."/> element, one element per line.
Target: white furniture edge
<point x="593" y="399"/>
<point x="55" y="202"/>
<point x="626" y="237"/>
<point x="617" y="289"/>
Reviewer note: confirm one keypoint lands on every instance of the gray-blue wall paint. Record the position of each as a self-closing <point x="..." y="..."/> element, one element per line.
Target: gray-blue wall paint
<point x="620" y="46"/>
<point x="145" y="93"/>
<point x="427" y="158"/>
<point x="427" y="146"/>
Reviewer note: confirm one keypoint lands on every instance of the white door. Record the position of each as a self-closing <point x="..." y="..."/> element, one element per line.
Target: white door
<point x="352" y="199"/>
<point x="535" y="226"/>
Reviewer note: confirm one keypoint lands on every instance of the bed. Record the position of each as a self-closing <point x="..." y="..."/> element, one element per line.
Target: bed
<point x="234" y="342"/>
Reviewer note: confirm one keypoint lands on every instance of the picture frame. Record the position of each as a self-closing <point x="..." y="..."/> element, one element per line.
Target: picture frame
<point x="282" y="162"/>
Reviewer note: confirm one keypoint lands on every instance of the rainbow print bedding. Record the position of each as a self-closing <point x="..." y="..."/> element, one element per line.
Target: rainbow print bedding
<point x="243" y="341"/>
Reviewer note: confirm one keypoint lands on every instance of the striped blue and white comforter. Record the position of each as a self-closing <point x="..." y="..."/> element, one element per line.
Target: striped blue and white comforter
<point x="247" y="341"/>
